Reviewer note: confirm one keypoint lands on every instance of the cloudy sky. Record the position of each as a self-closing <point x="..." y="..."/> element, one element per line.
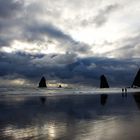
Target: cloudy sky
<point x="69" y="41"/>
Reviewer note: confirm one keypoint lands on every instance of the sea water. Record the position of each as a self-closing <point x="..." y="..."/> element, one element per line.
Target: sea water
<point x="69" y="114"/>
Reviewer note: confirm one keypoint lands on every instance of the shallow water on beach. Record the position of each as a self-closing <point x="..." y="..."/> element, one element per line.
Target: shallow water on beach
<point x="82" y="116"/>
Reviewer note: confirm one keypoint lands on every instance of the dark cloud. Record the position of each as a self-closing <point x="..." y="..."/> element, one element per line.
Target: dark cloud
<point x="40" y="31"/>
<point x="25" y="28"/>
<point x="84" y="71"/>
<point x="4" y="41"/>
<point x="9" y="8"/>
<point x="37" y="29"/>
<point x="102" y="17"/>
<point x="11" y="12"/>
<point x="129" y="47"/>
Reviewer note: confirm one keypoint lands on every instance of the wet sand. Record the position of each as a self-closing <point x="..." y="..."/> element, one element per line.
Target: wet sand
<point x="103" y="116"/>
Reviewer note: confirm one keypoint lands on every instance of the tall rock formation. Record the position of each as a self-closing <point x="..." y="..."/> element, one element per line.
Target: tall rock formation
<point x="136" y="82"/>
<point x="42" y="82"/>
<point x="103" y="82"/>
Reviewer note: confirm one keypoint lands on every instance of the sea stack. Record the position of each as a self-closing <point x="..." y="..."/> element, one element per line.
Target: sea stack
<point x="59" y="86"/>
<point x="42" y="82"/>
<point x="103" y="82"/>
<point x="136" y="82"/>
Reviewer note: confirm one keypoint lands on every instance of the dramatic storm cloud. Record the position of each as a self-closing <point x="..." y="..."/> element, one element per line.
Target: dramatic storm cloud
<point x="71" y="42"/>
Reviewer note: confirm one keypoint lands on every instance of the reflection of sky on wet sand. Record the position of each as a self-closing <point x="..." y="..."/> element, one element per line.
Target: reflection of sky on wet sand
<point x="100" y="130"/>
<point x="49" y="130"/>
<point x="70" y="118"/>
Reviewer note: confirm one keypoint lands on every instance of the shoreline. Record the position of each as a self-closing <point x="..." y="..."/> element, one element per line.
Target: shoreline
<point x="48" y="93"/>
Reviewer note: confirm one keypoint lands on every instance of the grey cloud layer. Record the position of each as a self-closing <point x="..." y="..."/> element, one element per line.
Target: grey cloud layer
<point x="8" y="8"/>
<point x="11" y="12"/>
<point x="40" y="31"/>
<point x="129" y="48"/>
<point x="49" y="22"/>
<point x="27" y="28"/>
<point x="102" y="16"/>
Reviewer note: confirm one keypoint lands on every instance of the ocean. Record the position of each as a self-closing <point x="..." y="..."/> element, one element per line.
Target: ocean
<point x="69" y="114"/>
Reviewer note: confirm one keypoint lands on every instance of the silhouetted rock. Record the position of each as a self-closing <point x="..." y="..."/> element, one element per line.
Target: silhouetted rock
<point x="136" y="82"/>
<point x="103" y="99"/>
<point x="103" y="82"/>
<point x="42" y="82"/>
<point x="59" y="86"/>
